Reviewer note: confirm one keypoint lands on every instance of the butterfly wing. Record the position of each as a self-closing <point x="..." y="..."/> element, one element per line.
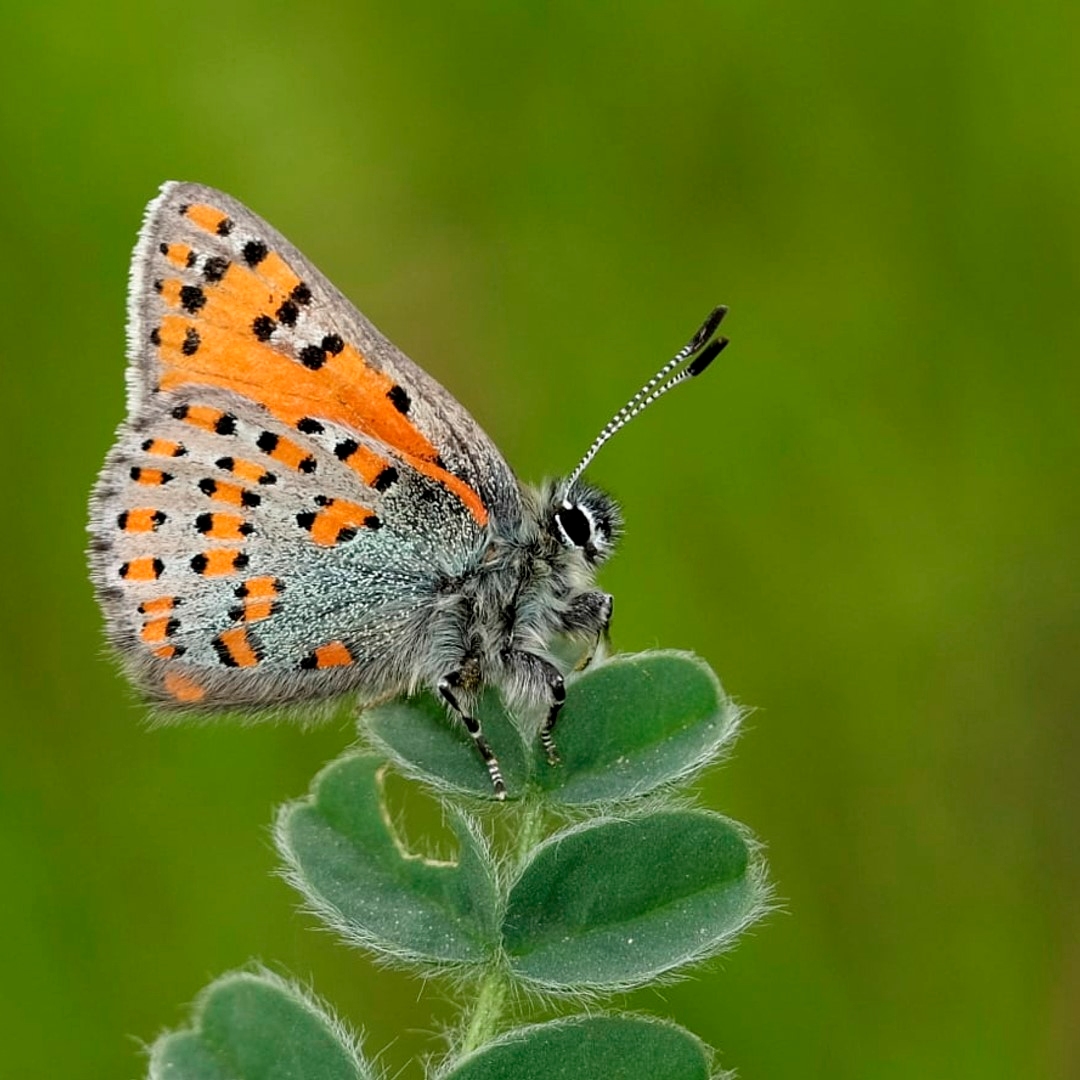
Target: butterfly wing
<point x="289" y="489"/>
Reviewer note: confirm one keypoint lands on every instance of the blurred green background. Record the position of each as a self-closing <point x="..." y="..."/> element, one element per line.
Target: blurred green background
<point x="865" y="517"/>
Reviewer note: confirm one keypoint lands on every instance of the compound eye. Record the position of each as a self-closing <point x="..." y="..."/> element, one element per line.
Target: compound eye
<point x="574" y="525"/>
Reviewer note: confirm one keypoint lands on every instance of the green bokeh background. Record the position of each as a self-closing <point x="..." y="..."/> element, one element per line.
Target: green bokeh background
<point x="865" y="517"/>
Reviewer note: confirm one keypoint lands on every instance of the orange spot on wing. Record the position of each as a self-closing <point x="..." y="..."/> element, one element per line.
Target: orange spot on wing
<point x="289" y="453"/>
<point x="158" y="606"/>
<point x="220" y="561"/>
<point x="238" y="646"/>
<point x="339" y="515"/>
<point x="225" y="527"/>
<point x="208" y="218"/>
<point x="170" y="291"/>
<point x="156" y="631"/>
<point x="248" y="470"/>
<point x="333" y="654"/>
<point x="182" y="688"/>
<point x="259" y="596"/>
<point x="203" y="416"/>
<point x="142" y="519"/>
<point x="366" y="463"/>
<point x="232" y="494"/>
<point x="255" y="610"/>
<point x="260" y="588"/>
<point x="147" y="569"/>
<point x="152" y="477"/>
<point x="166" y="652"/>
<point x="346" y="390"/>
<point x="164" y="448"/>
<point x="178" y="254"/>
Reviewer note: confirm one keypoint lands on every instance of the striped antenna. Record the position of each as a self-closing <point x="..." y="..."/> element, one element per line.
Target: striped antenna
<point x="701" y="350"/>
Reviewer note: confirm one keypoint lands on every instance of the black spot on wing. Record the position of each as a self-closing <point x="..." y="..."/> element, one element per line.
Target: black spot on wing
<point x="192" y="298"/>
<point x="312" y="357"/>
<point x="254" y="252"/>
<point x="399" y="399"/>
<point x="385" y="479"/>
<point x="214" y="268"/>
<point x="191" y="342"/>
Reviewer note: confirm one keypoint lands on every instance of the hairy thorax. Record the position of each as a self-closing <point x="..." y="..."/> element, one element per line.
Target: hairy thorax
<point x="510" y="600"/>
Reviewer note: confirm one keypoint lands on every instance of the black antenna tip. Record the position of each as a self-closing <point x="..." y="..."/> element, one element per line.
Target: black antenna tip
<point x="708" y="355"/>
<point x="708" y="327"/>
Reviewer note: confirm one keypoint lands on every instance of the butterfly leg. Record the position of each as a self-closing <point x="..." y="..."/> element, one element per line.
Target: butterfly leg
<point x="447" y="687"/>
<point x="540" y="674"/>
<point x="589" y="613"/>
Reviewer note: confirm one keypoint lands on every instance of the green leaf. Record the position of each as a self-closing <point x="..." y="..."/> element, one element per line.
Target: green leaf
<point x="344" y="856"/>
<point x="422" y="739"/>
<point x="616" y="903"/>
<point x="629" y="726"/>
<point x="635" y="723"/>
<point x="255" y="1026"/>
<point x="589" y="1048"/>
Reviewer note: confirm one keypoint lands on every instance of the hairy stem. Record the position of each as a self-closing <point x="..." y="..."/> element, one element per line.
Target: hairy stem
<point x="487" y="1012"/>
<point x="530" y="829"/>
<point x="493" y="992"/>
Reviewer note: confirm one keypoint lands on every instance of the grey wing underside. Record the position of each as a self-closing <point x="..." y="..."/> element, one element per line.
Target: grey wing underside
<point x="233" y="572"/>
<point x="235" y="601"/>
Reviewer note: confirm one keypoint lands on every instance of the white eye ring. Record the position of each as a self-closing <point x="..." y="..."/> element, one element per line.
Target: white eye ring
<point x="586" y="513"/>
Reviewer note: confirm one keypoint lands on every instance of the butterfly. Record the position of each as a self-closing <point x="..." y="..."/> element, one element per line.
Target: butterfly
<point x="293" y="510"/>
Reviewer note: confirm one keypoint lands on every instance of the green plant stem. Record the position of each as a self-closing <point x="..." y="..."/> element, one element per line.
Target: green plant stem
<point x="530" y="829"/>
<point x="493" y="991"/>
<point x="484" y="1022"/>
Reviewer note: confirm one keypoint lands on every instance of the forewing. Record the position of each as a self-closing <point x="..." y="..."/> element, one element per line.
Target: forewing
<point x="220" y="298"/>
